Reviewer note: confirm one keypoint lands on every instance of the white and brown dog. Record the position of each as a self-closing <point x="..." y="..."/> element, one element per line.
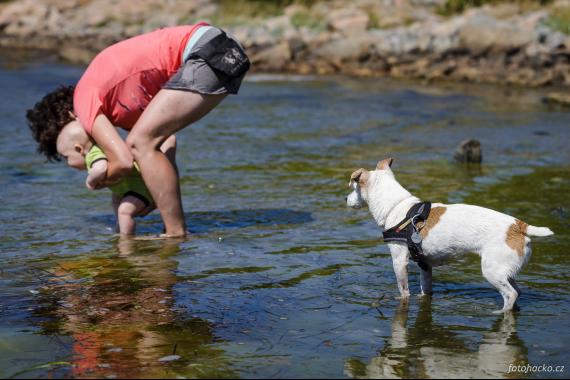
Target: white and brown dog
<point x="450" y="230"/>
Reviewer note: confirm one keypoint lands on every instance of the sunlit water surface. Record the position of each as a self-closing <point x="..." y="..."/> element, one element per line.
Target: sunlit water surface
<point x="279" y="278"/>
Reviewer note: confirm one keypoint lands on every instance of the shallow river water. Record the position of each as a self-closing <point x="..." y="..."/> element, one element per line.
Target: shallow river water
<point x="279" y="278"/>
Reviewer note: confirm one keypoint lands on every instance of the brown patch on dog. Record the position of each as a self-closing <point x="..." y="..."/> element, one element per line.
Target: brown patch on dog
<point x="432" y="220"/>
<point x="385" y="164"/>
<point x="515" y="236"/>
<point x="360" y="176"/>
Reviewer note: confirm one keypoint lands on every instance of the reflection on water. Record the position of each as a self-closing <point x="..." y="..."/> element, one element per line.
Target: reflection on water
<point x="429" y="350"/>
<point x="207" y="221"/>
<point x="279" y="279"/>
<point x="119" y="311"/>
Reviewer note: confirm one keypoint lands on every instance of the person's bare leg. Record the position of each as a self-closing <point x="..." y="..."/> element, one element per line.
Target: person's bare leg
<point x="168" y="147"/>
<point x="168" y="112"/>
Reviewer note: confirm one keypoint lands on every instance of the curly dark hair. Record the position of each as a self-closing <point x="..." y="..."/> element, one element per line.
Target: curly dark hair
<point x="48" y="117"/>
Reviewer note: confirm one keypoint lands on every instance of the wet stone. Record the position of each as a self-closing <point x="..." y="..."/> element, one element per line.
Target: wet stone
<point x="469" y="151"/>
<point x="169" y="358"/>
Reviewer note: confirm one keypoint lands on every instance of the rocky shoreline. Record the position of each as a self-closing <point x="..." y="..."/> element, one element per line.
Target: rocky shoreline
<point x="505" y="44"/>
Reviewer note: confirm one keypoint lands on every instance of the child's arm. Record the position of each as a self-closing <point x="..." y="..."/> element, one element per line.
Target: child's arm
<point x="97" y="174"/>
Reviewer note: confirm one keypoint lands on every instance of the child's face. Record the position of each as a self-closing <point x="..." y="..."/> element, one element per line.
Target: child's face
<point x="72" y="144"/>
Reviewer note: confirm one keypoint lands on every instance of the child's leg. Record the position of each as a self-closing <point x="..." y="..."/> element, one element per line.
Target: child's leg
<point x="129" y="207"/>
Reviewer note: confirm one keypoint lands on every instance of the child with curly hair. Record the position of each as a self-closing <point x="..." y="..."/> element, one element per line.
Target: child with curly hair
<point x="131" y="197"/>
<point x="153" y="86"/>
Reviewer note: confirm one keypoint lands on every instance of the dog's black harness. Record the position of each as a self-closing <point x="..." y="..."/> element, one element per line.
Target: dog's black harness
<point x="408" y="232"/>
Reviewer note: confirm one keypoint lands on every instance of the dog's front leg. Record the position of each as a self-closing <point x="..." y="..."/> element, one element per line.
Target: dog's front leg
<point x="425" y="281"/>
<point x="400" y="258"/>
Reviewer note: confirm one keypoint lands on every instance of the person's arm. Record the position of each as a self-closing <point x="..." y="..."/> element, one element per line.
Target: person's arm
<point x="97" y="174"/>
<point x="120" y="159"/>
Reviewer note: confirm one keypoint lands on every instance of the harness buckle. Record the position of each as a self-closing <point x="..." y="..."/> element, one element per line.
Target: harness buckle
<point x="416" y="237"/>
<point x="408" y="231"/>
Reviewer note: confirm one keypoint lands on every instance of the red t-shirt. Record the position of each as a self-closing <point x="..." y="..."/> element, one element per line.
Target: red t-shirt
<point x="122" y="79"/>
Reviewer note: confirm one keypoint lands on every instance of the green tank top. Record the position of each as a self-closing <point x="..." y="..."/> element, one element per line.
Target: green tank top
<point x="132" y="183"/>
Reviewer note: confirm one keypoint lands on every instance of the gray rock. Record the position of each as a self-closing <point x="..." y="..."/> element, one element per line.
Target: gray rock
<point x="277" y="25"/>
<point x="348" y="21"/>
<point x="482" y="33"/>
<point x="169" y="358"/>
<point x="273" y="58"/>
<point x="469" y="151"/>
<point x="346" y="49"/>
<point x="24" y="18"/>
<point x="487" y="44"/>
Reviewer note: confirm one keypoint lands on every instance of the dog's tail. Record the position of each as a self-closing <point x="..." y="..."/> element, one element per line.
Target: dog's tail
<point x="538" y="231"/>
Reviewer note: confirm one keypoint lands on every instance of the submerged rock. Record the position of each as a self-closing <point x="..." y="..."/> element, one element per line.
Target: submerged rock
<point x="557" y="98"/>
<point x="169" y="358"/>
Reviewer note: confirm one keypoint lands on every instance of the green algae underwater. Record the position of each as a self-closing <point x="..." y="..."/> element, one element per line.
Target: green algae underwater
<point x="278" y="278"/>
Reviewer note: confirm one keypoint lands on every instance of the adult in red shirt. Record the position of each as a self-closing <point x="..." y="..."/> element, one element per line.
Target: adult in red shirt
<point x="152" y="85"/>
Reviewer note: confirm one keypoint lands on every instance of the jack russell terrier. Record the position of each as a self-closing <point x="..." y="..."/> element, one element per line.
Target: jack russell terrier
<point x="448" y="230"/>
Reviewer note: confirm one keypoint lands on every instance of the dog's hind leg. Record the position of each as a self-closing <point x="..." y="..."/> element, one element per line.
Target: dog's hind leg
<point x="514" y="285"/>
<point x="517" y="289"/>
<point x="425" y="281"/>
<point x="400" y="259"/>
<point x="502" y="282"/>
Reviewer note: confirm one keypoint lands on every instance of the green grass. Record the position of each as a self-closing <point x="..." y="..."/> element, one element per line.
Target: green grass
<point x="560" y="19"/>
<point x="252" y="8"/>
<point x="243" y="12"/>
<point x="306" y="19"/>
<point x="374" y="22"/>
<point x="559" y="16"/>
<point x="451" y="7"/>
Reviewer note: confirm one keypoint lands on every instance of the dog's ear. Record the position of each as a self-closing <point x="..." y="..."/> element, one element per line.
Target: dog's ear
<point x="385" y="164"/>
<point x="359" y="176"/>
